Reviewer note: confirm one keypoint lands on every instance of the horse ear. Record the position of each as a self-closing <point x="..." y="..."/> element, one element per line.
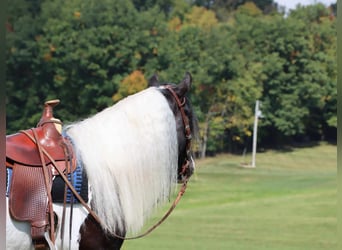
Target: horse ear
<point x="153" y="81"/>
<point x="184" y="85"/>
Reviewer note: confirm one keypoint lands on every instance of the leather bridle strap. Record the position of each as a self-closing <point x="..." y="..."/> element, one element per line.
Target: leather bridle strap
<point x="185" y="118"/>
<point x="187" y="128"/>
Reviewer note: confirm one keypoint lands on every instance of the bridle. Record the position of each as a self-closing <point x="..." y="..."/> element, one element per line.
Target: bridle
<point x="184" y="169"/>
<point x="187" y="128"/>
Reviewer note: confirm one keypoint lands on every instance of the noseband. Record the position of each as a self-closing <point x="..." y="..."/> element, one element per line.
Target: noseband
<point x="187" y="129"/>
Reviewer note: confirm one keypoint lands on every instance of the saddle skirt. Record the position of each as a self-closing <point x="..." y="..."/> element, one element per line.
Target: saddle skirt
<point x="21" y="149"/>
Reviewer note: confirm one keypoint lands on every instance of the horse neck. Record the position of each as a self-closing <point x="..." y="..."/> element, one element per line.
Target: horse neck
<point x="130" y="153"/>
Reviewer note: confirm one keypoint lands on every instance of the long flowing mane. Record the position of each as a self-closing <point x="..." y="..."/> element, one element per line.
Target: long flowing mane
<point x="129" y="152"/>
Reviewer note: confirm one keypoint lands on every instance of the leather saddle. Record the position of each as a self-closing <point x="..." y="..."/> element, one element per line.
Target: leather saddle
<point x="34" y="156"/>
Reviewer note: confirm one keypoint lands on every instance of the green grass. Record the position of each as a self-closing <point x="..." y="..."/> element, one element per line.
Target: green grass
<point x="288" y="202"/>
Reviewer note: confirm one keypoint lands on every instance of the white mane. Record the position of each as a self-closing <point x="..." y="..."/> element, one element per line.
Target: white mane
<point x="130" y="155"/>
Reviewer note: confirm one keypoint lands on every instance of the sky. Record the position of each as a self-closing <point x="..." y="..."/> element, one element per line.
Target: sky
<point x="291" y="4"/>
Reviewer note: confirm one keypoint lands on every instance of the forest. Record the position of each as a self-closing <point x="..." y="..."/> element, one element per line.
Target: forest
<point x="91" y="54"/>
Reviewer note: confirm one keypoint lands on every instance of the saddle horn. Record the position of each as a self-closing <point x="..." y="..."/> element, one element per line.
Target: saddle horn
<point x="47" y="115"/>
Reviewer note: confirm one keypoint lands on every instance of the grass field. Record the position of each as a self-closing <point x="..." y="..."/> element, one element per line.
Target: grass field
<point x="288" y="202"/>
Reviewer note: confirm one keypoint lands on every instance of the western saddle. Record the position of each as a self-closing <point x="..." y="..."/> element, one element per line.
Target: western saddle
<point x="35" y="156"/>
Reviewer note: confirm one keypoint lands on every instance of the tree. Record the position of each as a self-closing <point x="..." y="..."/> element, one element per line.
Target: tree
<point x="320" y="69"/>
<point x="23" y="64"/>
<point x="91" y="54"/>
<point x="297" y="75"/>
<point x="79" y="52"/>
<point x="131" y="84"/>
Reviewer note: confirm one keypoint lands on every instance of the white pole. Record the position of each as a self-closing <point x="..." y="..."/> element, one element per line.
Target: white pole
<point x="255" y="132"/>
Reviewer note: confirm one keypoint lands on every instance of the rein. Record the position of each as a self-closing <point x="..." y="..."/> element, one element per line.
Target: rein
<point x="184" y="168"/>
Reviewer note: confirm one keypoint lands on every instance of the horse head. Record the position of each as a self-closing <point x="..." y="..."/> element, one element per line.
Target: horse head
<point x="186" y="123"/>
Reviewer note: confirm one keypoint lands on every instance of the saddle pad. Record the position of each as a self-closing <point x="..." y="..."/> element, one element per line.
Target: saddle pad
<point x="80" y="183"/>
<point x="27" y="188"/>
<point x="8" y="180"/>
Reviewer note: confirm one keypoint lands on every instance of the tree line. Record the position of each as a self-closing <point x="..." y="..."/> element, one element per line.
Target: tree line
<point x="90" y="54"/>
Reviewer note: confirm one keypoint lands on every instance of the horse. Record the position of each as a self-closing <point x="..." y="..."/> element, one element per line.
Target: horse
<point x="133" y="154"/>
